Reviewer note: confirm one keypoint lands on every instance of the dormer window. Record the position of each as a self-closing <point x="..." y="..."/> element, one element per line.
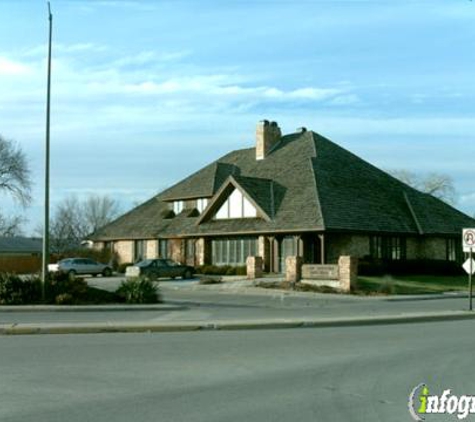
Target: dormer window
<point x="201" y="204"/>
<point x="236" y="206"/>
<point x="178" y="207"/>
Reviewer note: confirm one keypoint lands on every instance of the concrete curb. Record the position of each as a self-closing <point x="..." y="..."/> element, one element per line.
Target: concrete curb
<point x="90" y="308"/>
<point x="259" y="291"/>
<point x="187" y="326"/>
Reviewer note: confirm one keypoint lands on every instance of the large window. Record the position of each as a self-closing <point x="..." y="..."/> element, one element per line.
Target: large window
<point x="236" y="206"/>
<point x="163" y="248"/>
<point x="178" y="207"/>
<point x="139" y="250"/>
<point x="453" y="250"/>
<point x="387" y="247"/>
<point x="201" y="204"/>
<point x="233" y="251"/>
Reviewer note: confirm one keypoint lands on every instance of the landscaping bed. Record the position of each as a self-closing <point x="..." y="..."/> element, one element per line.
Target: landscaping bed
<point x="385" y="285"/>
<point x="65" y="290"/>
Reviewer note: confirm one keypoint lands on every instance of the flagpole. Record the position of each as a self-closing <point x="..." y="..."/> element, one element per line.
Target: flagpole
<point x="45" y="261"/>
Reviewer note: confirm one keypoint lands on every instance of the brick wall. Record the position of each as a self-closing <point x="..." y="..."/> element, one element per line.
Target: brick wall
<point x="151" y="249"/>
<point x="124" y="250"/>
<point x="341" y="278"/>
<point x="349" y="245"/>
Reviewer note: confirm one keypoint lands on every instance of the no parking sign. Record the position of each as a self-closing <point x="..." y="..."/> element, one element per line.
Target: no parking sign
<point x="468" y="239"/>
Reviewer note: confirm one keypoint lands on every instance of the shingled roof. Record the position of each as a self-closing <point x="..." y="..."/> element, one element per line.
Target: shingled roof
<point x="306" y="183"/>
<point x="20" y="245"/>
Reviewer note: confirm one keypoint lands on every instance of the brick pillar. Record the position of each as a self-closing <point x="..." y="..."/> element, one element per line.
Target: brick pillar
<point x="254" y="267"/>
<point x="200" y="251"/>
<point x="293" y="271"/>
<point x="348" y="267"/>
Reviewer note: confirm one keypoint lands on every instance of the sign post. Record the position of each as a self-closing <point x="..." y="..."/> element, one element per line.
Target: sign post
<point x="470" y="277"/>
<point x="468" y="241"/>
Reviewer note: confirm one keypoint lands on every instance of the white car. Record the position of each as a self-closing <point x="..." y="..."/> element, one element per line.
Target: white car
<point x="73" y="266"/>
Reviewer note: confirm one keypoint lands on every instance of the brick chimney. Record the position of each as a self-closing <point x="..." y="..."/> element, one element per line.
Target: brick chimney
<point x="267" y="136"/>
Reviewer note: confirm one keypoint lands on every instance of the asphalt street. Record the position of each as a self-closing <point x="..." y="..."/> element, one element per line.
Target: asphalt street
<point x="331" y="374"/>
<point x="207" y="303"/>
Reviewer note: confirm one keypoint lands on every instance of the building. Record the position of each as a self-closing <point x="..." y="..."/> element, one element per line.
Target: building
<point x="298" y="194"/>
<point x="20" y="254"/>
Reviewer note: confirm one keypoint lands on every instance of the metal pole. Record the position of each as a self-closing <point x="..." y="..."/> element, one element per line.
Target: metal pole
<point x="470" y="278"/>
<point x="44" y="274"/>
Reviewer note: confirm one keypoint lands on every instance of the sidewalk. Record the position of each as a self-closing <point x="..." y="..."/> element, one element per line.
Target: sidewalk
<point x="187" y="326"/>
<point x="232" y="305"/>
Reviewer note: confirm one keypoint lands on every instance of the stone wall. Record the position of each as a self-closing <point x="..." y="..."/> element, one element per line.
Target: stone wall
<point x="340" y="277"/>
<point x="176" y="250"/>
<point x="200" y="253"/>
<point x="348" y="266"/>
<point x="254" y="267"/>
<point x="433" y="248"/>
<point x="293" y="268"/>
<point x="124" y="250"/>
<point x="151" y="249"/>
<point x="350" y="245"/>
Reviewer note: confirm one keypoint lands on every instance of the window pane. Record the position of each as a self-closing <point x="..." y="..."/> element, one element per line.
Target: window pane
<point x="235" y="204"/>
<point x="223" y="211"/>
<point x="232" y="252"/>
<point x="249" y="210"/>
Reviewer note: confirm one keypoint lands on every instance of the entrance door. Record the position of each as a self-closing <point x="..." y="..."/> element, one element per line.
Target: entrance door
<point x="312" y="249"/>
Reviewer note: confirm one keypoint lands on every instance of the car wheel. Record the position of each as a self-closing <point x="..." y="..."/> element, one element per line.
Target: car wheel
<point x="71" y="275"/>
<point x="107" y="272"/>
<point x="187" y="274"/>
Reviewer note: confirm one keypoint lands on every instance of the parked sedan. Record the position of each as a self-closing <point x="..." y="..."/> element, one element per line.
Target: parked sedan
<point x="155" y="268"/>
<point x="73" y="266"/>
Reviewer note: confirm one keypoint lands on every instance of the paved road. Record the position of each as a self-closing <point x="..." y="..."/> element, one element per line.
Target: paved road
<point x="222" y="303"/>
<point x="334" y="374"/>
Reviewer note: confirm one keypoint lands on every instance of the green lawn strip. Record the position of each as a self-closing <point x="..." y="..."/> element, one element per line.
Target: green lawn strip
<point x="416" y="284"/>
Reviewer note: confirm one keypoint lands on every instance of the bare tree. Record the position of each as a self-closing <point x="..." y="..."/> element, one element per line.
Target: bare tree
<point x="15" y="181"/>
<point x="436" y="184"/>
<point x="74" y="220"/>
<point x="14" y="171"/>
<point x="11" y="226"/>
<point x="99" y="211"/>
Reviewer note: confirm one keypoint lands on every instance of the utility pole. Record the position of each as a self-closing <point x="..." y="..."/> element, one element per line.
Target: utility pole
<point x="45" y="262"/>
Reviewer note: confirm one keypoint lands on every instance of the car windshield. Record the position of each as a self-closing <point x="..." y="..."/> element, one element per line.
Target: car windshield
<point x="144" y="263"/>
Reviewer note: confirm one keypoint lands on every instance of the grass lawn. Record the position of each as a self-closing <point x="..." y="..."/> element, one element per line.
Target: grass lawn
<point x="411" y="285"/>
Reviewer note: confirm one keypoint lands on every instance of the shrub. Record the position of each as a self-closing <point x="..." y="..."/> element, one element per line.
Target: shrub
<point x="60" y="290"/>
<point x="139" y="290"/>
<point x="63" y="289"/>
<point x="221" y="270"/>
<point x="16" y="290"/>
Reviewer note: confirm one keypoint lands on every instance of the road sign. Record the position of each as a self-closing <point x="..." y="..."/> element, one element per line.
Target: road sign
<point x="467" y="267"/>
<point x="468" y="239"/>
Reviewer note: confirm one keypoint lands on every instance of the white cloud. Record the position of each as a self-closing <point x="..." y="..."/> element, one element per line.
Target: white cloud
<point x="10" y="67"/>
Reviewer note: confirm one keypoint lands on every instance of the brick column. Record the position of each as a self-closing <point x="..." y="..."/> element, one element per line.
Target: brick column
<point x="293" y="271"/>
<point x="254" y="267"/>
<point x="348" y="267"/>
<point x="200" y="251"/>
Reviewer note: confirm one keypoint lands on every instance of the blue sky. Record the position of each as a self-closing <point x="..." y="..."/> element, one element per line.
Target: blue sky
<point x="147" y="92"/>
